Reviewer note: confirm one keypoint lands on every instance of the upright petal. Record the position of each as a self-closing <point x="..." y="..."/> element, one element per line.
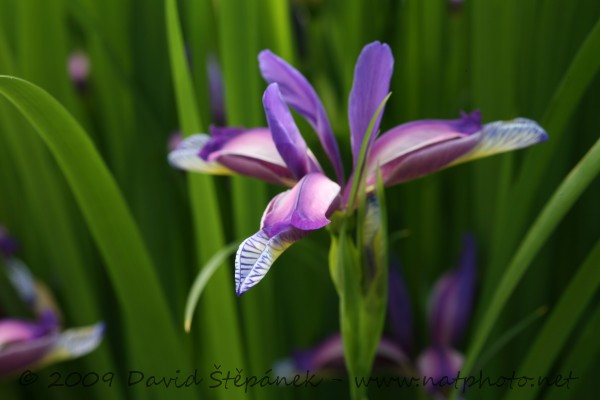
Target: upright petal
<point x="215" y="89"/>
<point x="287" y="137"/>
<point x="452" y="298"/>
<point x="289" y="217"/>
<point x="301" y="96"/>
<point x="417" y="148"/>
<point x="371" y="85"/>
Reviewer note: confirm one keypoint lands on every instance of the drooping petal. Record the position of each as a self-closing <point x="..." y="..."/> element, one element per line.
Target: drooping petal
<point x="306" y="206"/>
<point x="287" y="137"/>
<point x="372" y="76"/>
<point x="417" y="148"/>
<point x="399" y="311"/>
<point x="186" y="156"/>
<point x="256" y="255"/>
<point x="289" y="217"/>
<point x="452" y="299"/>
<point x="501" y="136"/>
<point x="300" y="95"/>
<point x="439" y="367"/>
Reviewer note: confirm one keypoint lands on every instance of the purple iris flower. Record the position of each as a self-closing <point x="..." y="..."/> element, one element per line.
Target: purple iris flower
<point x="26" y="343"/>
<point x="78" y="66"/>
<point x="278" y="154"/>
<point x="450" y="303"/>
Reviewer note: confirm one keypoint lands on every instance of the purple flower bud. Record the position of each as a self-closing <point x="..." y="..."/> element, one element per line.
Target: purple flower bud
<point x="79" y="69"/>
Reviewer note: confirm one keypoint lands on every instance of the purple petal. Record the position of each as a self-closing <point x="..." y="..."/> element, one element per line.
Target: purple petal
<point x="306" y="206"/>
<point x="288" y="218"/>
<point x="418" y="148"/>
<point x="233" y="150"/>
<point x="23" y="281"/>
<point x="287" y="137"/>
<point x="371" y="85"/>
<point x="216" y="90"/>
<point x="300" y="95"/>
<point x="399" y="311"/>
<point x="8" y="245"/>
<point x="21" y="355"/>
<point x="328" y="356"/>
<point x="452" y="298"/>
<point x="78" y="67"/>
<point x="437" y="363"/>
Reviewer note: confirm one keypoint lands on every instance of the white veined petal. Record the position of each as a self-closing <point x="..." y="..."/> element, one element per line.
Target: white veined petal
<point x="186" y="157"/>
<point x="255" y="257"/>
<point x="501" y="136"/>
<point x="75" y="342"/>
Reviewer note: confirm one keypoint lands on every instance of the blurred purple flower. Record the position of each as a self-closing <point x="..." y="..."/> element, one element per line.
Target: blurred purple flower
<point x="279" y="154"/>
<point x="216" y="90"/>
<point x="8" y="245"/>
<point x="451" y="301"/>
<point x="27" y="344"/>
<point x="78" y="66"/>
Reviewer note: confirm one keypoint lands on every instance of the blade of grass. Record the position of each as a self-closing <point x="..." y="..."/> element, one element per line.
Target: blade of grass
<point x="221" y="328"/>
<point x="201" y="281"/>
<point x="129" y="266"/>
<point x="239" y="22"/>
<point x="556" y="208"/>
<point x="582" y="357"/>
<point x="555" y="332"/>
<point x="567" y="96"/>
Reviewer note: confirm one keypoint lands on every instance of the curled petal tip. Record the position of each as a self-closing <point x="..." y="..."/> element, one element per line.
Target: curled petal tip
<point x="256" y="255"/>
<point x="502" y="136"/>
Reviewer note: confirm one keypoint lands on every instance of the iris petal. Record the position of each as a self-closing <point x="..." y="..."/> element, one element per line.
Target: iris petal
<point x="186" y="156"/>
<point x="452" y="298"/>
<point x="372" y="76"/>
<point x="256" y="255"/>
<point x="300" y="95"/>
<point x="501" y="136"/>
<point x="289" y="216"/>
<point x="285" y="133"/>
<point x="417" y="148"/>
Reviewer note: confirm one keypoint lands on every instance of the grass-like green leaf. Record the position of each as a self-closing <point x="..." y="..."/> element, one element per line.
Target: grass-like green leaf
<point x="206" y="272"/>
<point x="553" y="336"/>
<point x="131" y="271"/>
<point x="562" y="200"/>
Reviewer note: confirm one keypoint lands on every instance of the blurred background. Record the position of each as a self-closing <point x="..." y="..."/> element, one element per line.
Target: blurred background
<point x="113" y="65"/>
